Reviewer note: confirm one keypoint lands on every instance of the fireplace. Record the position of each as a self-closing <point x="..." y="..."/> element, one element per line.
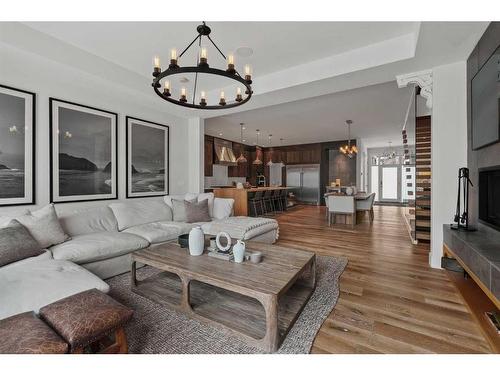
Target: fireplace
<point x="489" y="196"/>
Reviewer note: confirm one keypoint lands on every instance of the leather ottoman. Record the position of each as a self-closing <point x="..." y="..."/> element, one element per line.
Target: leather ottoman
<point x="26" y="334"/>
<point x="84" y="319"/>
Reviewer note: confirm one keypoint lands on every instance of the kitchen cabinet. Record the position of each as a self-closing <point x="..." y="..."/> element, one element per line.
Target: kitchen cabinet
<point x="240" y="170"/>
<point x="209" y="156"/>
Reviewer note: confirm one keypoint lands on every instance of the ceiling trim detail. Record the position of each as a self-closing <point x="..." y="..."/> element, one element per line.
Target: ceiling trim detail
<point x="423" y="79"/>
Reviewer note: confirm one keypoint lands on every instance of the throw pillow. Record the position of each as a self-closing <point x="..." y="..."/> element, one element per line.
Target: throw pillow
<point x="16" y="243"/>
<point x="179" y="210"/>
<point x="223" y="208"/>
<point x="197" y="212"/>
<point x="210" y="197"/>
<point x="44" y="226"/>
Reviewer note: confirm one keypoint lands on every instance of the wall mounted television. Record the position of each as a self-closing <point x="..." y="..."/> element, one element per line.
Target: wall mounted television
<point x="485" y="103"/>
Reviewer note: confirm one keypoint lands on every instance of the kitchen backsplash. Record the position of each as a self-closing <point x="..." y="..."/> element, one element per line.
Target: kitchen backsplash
<point x="220" y="177"/>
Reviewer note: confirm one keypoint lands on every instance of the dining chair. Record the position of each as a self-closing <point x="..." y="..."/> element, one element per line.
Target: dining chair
<point x="366" y="205"/>
<point x="344" y="205"/>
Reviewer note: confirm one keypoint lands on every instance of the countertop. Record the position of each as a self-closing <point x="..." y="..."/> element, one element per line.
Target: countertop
<point x="262" y="188"/>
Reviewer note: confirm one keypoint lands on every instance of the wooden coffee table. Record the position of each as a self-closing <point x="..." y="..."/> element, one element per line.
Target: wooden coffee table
<point x="258" y="302"/>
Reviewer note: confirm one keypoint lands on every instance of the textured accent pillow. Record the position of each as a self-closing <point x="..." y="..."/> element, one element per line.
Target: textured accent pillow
<point x="179" y="209"/>
<point x="16" y="243"/>
<point x="44" y="226"/>
<point x="197" y="212"/>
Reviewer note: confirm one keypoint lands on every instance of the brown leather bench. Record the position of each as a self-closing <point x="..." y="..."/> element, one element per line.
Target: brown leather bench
<point x="87" y="319"/>
<point x="27" y="334"/>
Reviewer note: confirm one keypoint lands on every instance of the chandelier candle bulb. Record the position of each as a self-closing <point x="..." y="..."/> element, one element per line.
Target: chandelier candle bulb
<point x="156" y="66"/>
<point x="248" y="73"/>
<point x="203" y="57"/>
<point x="203" y="100"/>
<point x="230" y="63"/>
<point x="222" y="98"/>
<point x="173" y="58"/>
<point x="239" y="98"/>
<point x="166" y="88"/>
<point x="183" y="95"/>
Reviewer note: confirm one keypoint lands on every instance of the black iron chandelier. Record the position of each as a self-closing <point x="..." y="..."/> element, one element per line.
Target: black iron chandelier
<point x="160" y="77"/>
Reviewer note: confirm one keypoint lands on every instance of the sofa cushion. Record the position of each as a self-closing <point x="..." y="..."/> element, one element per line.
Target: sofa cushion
<point x="242" y="227"/>
<point x="16" y="243"/>
<point x="44" y="226"/>
<point x="155" y="232"/>
<point x="197" y="211"/>
<point x="130" y="214"/>
<point x="92" y="247"/>
<point x="87" y="221"/>
<point x="161" y="231"/>
<point x="223" y="208"/>
<point x="28" y="286"/>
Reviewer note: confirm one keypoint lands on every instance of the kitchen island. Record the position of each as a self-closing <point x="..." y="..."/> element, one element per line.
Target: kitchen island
<point x="240" y="197"/>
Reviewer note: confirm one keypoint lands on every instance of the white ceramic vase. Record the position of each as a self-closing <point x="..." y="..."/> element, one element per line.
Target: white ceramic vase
<point x="239" y="251"/>
<point x="196" y="241"/>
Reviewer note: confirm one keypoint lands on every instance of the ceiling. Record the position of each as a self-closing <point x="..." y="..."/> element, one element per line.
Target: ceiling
<point x="378" y="113"/>
<point x="308" y="76"/>
<point x="133" y="44"/>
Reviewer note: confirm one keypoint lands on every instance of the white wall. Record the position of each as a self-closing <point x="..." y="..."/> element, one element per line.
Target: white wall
<point x="47" y="78"/>
<point x="449" y="148"/>
<point x="196" y="136"/>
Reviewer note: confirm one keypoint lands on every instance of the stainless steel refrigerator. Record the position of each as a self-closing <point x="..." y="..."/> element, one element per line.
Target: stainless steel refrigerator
<point x="304" y="181"/>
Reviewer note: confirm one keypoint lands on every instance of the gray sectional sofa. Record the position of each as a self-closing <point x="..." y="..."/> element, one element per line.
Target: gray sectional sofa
<point x="100" y="246"/>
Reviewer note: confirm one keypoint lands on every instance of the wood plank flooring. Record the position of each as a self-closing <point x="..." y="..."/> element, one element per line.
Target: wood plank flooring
<point x="391" y="301"/>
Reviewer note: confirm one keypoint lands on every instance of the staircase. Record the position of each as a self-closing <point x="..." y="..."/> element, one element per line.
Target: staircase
<point x="423" y="179"/>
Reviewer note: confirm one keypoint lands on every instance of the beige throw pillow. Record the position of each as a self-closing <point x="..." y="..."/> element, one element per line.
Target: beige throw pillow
<point x="197" y="212"/>
<point x="44" y="226"/>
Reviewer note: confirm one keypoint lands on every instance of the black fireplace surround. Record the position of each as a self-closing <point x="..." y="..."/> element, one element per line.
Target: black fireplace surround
<point x="489" y="196"/>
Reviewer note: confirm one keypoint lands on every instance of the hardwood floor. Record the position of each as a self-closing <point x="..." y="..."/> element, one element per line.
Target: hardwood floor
<point x="391" y="301"/>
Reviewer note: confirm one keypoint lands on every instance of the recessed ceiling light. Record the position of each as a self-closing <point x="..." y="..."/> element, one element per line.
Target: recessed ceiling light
<point x="244" y="51"/>
<point x="220" y="134"/>
<point x="243" y="140"/>
<point x="184" y="80"/>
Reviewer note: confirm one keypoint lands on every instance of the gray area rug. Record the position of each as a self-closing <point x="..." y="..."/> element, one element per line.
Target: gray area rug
<point x="156" y="329"/>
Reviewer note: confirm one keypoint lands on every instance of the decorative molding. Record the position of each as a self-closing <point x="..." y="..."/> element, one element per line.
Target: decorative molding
<point x="423" y="79"/>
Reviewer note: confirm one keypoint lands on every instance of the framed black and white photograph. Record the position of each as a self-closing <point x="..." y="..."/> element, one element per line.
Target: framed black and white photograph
<point x="17" y="146"/>
<point x="83" y="152"/>
<point x="147" y="158"/>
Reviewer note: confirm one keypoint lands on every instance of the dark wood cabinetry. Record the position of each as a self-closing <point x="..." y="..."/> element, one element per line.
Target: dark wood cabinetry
<point x="209" y="155"/>
<point x="240" y="170"/>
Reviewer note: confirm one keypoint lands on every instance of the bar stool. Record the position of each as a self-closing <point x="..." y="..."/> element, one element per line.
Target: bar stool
<point x="267" y="199"/>
<point x="284" y="196"/>
<point x="255" y="200"/>
<point x="277" y="200"/>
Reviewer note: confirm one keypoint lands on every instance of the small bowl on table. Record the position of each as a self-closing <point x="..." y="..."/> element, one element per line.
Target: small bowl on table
<point x="183" y="241"/>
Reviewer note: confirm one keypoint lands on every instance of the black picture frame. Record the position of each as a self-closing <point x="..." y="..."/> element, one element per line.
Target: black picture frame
<point x="54" y="105"/>
<point x="30" y="198"/>
<point x="129" y="120"/>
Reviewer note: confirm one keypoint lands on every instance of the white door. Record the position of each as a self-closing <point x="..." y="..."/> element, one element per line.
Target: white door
<point x="389" y="184"/>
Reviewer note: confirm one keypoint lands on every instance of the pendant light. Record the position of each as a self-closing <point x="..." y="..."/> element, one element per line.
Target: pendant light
<point x="241" y="158"/>
<point x="257" y="160"/>
<point x="348" y="150"/>
<point x="270" y="162"/>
